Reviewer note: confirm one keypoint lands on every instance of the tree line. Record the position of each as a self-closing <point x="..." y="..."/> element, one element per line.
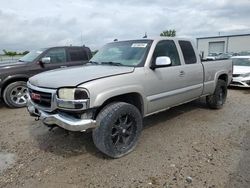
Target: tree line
<point x="13" y="53"/>
<point x="168" y="33"/>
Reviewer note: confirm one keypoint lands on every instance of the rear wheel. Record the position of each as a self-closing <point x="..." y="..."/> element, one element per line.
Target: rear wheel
<point x="15" y="95"/>
<point x="218" y="98"/>
<point x="120" y="125"/>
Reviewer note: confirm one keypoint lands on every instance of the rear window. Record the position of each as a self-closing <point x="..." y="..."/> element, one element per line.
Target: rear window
<point x="77" y="55"/>
<point x="188" y="52"/>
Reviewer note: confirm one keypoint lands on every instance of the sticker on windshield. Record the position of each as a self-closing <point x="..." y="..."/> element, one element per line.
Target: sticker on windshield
<point x="139" y="45"/>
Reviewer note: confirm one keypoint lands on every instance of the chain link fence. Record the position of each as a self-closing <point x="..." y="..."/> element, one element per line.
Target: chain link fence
<point x="4" y="58"/>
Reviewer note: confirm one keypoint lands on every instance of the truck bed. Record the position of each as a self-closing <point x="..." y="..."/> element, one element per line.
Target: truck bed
<point x="211" y="73"/>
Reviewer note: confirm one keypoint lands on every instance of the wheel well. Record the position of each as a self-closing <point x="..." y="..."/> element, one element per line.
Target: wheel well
<point x="223" y="77"/>
<point x="11" y="81"/>
<point x="131" y="98"/>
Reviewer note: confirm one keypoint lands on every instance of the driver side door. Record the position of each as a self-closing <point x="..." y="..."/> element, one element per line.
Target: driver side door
<point x="58" y="59"/>
<point x="164" y="84"/>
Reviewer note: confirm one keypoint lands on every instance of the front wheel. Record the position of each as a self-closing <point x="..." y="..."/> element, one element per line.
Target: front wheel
<point x="218" y="98"/>
<point x="120" y="125"/>
<point x="15" y="95"/>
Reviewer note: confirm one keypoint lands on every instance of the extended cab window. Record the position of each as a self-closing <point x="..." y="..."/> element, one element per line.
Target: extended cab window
<point x="77" y="55"/>
<point x="188" y="52"/>
<point x="57" y="55"/>
<point x="167" y="48"/>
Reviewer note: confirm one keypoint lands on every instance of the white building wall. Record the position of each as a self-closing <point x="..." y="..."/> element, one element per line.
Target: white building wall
<point x="232" y="44"/>
<point x="203" y="44"/>
<point x="239" y="44"/>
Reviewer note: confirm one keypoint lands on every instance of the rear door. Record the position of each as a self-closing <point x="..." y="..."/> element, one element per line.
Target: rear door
<point x="192" y="71"/>
<point x="77" y="56"/>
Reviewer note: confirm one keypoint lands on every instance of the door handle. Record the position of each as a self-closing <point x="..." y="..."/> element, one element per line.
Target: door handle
<point x="182" y="73"/>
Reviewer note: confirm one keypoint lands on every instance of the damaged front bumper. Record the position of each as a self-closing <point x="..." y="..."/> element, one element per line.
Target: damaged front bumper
<point x="240" y="82"/>
<point x="62" y="120"/>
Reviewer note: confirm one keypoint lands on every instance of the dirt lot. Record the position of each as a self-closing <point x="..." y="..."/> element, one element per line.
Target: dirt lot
<point x="187" y="146"/>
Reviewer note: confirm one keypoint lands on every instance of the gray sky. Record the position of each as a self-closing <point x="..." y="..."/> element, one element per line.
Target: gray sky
<point x="28" y="24"/>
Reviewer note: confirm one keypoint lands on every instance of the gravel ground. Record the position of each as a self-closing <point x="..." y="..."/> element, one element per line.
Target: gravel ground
<point x="187" y="146"/>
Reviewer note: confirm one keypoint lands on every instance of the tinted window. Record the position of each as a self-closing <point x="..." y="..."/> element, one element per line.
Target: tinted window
<point x="188" y="52"/>
<point x="77" y="55"/>
<point x="167" y="48"/>
<point x="57" y="55"/>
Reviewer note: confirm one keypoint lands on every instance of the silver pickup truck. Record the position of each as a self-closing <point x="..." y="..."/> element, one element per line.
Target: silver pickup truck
<point x="124" y="82"/>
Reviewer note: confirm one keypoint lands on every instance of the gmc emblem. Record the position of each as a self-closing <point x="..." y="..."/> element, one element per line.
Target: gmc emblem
<point x="36" y="96"/>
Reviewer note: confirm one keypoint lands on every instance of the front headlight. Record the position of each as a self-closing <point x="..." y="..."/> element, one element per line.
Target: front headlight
<point x="72" y="93"/>
<point x="246" y="75"/>
<point x="72" y="98"/>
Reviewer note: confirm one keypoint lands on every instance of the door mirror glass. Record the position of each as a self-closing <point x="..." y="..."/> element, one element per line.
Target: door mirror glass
<point x="45" y="60"/>
<point x="163" y="61"/>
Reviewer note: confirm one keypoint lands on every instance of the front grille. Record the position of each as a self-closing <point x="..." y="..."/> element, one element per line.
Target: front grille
<point x="45" y="98"/>
<point x="236" y="75"/>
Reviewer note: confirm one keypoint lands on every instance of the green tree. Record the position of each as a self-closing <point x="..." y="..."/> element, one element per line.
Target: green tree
<point x="9" y="53"/>
<point x="168" y="33"/>
<point x="25" y="52"/>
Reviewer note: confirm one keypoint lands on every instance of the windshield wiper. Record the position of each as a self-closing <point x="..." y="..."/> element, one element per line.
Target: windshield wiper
<point x="112" y="63"/>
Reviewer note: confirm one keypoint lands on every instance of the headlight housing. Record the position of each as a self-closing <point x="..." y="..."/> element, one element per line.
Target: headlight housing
<point x="72" y="93"/>
<point x="72" y="98"/>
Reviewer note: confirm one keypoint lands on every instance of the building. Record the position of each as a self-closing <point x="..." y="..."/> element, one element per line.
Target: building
<point x="223" y="44"/>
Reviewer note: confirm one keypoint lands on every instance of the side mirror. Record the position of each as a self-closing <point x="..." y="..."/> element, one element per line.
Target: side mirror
<point x="45" y="60"/>
<point x="162" y="61"/>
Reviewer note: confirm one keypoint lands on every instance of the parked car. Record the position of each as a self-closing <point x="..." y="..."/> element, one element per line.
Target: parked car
<point x="223" y="56"/>
<point x="244" y="53"/>
<point x="211" y="56"/>
<point x="13" y="76"/>
<point x="126" y="81"/>
<point x="241" y="71"/>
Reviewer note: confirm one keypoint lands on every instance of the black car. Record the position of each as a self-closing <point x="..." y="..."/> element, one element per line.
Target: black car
<point x="14" y="75"/>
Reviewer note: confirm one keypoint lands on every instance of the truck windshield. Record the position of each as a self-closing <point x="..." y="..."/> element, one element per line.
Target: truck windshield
<point x="241" y="61"/>
<point x="124" y="53"/>
<point x="32" y="55"/>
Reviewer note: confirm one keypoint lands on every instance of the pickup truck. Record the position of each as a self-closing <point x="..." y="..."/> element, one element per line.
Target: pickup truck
<point x="124" y="82"/>
<point x="14" y="75"/>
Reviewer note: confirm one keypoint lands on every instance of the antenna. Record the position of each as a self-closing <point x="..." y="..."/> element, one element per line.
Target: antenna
<point x="81" y="39"/>
<point x="145" y="36"/>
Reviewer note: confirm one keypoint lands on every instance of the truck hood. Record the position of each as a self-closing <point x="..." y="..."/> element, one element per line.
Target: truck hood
<point x="10" y="64"/>
<point x="76" y="75"/>
<point x="241" y="69"/>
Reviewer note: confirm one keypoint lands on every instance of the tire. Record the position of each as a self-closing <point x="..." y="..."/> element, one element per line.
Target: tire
<point x="15" y="95"/>
<point x="120" y="125"/>
<point x="218" y="98"/>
